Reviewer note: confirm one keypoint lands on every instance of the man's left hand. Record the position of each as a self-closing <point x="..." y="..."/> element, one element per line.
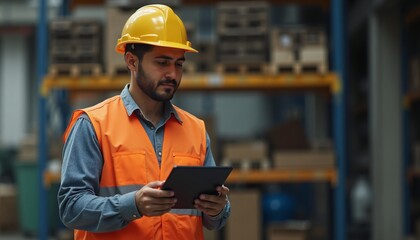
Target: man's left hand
<point x="212" y="205"/>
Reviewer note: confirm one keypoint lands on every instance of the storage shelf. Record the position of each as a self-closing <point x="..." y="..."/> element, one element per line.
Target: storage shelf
<point x="285" y="176"/>
<point x="413" y="173"/>
<point x="256" y="176"/>
<point x="322" y="3"/>
<point x="202" y="82"/>
<point x="411" y="97"/>
<point x="412" y="15"/>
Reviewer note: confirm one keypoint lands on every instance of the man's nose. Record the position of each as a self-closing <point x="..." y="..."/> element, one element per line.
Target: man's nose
<point x="171" y="72"/>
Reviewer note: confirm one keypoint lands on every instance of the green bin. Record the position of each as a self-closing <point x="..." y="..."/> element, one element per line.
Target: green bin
<point x="28" y="199"/>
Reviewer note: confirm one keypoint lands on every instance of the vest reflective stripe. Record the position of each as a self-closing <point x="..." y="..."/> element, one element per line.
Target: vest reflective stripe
<point x="130" y="163"/>
<point x="192" y="212"/>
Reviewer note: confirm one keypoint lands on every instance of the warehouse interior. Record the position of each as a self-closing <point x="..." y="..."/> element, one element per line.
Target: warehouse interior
<point x="314" y="103"/>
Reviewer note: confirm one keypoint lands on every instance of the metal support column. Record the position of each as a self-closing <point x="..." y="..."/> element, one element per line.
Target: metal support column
<point x="386" y="131"/>
<point x="338" y="26"/>
<point x="42" y="138"/>
<point x="406" y="128"/>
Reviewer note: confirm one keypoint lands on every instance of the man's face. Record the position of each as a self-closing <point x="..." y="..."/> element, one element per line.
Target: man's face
<point x="160" y="73"/>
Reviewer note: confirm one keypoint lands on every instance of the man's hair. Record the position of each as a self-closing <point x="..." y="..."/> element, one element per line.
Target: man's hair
<point x="138" y="49"/>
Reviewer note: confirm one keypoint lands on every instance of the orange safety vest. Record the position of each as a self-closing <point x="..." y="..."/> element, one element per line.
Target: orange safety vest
<point x="130" y="159"/>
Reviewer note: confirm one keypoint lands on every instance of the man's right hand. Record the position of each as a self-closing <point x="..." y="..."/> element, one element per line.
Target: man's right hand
<point x="151" y="201"/>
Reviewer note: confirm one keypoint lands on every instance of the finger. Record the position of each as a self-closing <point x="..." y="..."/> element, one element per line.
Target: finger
<point x="155" y="184"/>
<point x="222" y="198"/>
<point x="223" y="190"/>
<point x="164" y="201"/>
<point x="206" y="209"/>
<point x="157" y="193"/>
<point x="206" y="205"/>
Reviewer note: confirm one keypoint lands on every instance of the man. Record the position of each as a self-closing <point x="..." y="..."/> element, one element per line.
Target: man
<point x="118" y="153"/>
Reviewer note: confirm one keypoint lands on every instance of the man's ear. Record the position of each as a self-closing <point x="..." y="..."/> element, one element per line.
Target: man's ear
<point x="130" y="60"/>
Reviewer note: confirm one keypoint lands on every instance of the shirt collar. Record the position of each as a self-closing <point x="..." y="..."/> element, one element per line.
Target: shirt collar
<point x="131" y="106"/>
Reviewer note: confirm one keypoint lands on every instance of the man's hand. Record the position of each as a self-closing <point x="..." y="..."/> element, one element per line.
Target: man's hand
<point x="212" y="205"/>
<point x="152" y="201"/>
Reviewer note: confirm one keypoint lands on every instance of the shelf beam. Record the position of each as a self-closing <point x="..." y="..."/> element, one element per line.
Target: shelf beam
<point x="284" y="176"/>
<point x="200" y="82"/>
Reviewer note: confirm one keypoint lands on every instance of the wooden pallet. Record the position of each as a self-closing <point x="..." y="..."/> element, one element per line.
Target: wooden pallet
<point x="115" y="20"/>
<point x="242" y="68"/>
<point x="118" y="70"/>
<point x="298" y="68"/>
<point x="189" y="67"/>
<point x="247" y="164"/>
<point x="242" y="26"/>
<point x="243" y="46"/>
<point x="75" y="69"/>
<point x="198" y="67"/>
<point x="244" y="18"/>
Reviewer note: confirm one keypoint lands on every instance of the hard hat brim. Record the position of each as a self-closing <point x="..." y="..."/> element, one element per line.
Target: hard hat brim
<point x="120" y="48"/>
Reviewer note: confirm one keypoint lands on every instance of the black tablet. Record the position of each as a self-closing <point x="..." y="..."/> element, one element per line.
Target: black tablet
<point x="188" y="182"/>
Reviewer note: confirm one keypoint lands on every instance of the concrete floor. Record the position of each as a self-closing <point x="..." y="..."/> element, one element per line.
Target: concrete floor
<point x="19" y="236"/>
<point x="15" y="236"/>
<point x="61" y="235"/>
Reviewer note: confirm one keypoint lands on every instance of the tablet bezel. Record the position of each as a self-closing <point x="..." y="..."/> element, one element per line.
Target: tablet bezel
<point x="188" y="182"/>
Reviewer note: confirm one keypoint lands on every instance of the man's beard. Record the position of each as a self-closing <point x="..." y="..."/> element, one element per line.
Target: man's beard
<point x="148" y="87"/>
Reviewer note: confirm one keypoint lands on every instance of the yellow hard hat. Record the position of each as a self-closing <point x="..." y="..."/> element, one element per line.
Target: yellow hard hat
<point x="157" y="25"/>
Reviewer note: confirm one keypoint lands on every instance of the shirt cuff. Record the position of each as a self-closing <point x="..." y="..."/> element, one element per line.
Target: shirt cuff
<point x="221" y="214"/>
<point x="128" y="207"/>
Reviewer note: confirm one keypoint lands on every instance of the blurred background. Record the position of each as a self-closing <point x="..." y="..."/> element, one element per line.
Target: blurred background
<point x="315" y="103"/>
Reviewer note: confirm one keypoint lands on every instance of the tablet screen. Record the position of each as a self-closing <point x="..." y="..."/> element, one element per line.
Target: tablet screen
<point x="188" y="182"/>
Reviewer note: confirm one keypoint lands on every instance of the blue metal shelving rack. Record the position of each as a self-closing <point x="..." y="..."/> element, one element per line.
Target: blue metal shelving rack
<point x="338" y="30"/>
<point x="42" y="43"/>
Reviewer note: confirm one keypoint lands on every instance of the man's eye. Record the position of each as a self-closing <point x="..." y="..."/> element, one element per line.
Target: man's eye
<point x="163" y="63"/>
<point x="179" y="64"/>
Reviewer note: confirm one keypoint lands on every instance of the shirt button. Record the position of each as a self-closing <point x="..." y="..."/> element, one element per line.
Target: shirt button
<point x="160" y="153"/>
<point x="134" y="215"/>
<point x="152" y="127"/>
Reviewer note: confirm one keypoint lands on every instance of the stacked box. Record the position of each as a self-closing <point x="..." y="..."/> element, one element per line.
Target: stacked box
<point x="242" y="31"/>
<point x="115" y="21"/>
<point x="304" y="159"/>
<point x="246" y="155"/>
<point x="246" y="215"/>
<point x="75" y="47"/>
<point x="283" y="49"/>
<point x="415" y="73"/>
<point x="298" y="49"/>
<point x="313" y="50"/>
<point x="288" y="231"/>
<point x="203" y="61"/>
<point x="8" y="208"/>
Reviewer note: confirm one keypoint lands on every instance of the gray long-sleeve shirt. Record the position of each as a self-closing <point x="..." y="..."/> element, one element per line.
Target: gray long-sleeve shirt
<point x="79" y="205"/>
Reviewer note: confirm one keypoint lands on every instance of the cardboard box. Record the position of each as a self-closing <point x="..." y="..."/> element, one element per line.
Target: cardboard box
<point x="303" y="159"/>
<point x="246" y="217"/>
<point x="416" y="154"/>
<point x="210" y="234"/>
<point x="246" y="150"/>
<point x="415" y="73"/>
<point x="8" y="207"/>
<point x="28" y="149"/>
<point x="246" y="155"/>
<point x="417" y="229"/>
<point x="288" y="231"/>
<point x="115" y="21"/>
<point x="289" y="134"/>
